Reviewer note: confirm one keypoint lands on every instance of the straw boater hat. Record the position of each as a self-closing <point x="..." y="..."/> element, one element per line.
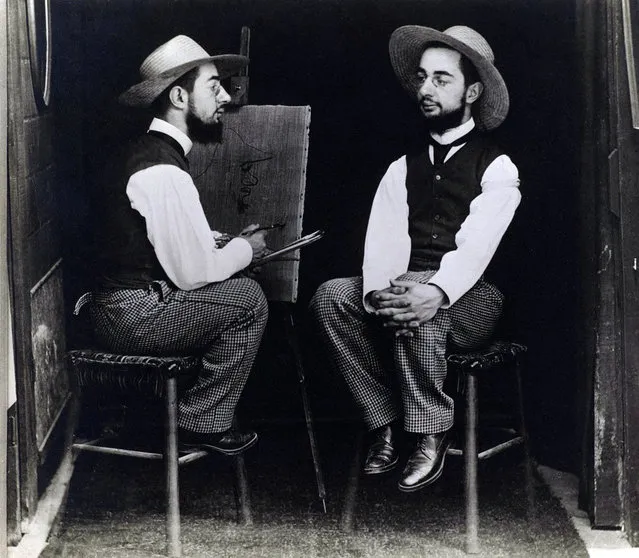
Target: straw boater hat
<point x="407" y="44"/>
<point x="169" y="62"/>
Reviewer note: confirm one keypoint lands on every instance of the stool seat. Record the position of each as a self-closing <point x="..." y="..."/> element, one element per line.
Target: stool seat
<point x="139" y="372"/>
<point x="491" y="357"/>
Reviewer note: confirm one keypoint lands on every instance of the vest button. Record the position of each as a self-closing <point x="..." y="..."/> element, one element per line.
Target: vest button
<point x="435" y="235"/>
<point x="438" y="177"/>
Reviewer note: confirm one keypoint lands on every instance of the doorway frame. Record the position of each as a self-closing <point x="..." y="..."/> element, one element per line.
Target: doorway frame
<point x="609" y="242"/>
<point x="5" y="316"/>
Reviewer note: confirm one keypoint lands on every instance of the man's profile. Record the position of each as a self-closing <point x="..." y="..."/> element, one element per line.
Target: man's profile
<point x="167" y="283"/>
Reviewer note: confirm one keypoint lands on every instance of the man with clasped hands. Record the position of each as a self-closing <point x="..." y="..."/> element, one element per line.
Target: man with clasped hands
<point x="437" y="218"/>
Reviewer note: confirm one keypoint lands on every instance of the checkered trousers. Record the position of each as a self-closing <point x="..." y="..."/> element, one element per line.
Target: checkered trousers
<point x="223" y="322"/>
<point x="392" y="377"/>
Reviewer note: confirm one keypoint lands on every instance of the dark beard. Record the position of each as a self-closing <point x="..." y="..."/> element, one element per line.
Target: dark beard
<point x="200" y="132"/>
<point x="443" y="122"/>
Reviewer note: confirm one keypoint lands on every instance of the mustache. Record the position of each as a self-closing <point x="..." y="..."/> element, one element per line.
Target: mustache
<point x="427" y="98"/>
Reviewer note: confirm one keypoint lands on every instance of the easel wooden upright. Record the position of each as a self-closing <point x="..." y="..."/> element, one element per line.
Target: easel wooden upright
<point x="257" y="174"/>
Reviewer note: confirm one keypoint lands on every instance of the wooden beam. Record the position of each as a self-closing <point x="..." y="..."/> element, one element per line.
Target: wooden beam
<point x="628" y="165"/>
<point x="240" y="83"/>
<point x="21" y="106"/>
<point x="601" y="383"/>
<point x="5" y="345"/>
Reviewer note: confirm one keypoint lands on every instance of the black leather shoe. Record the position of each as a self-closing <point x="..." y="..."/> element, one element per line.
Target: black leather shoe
<point x="426" y="464"/>
<point x="382" y="455"/>
<point x="231" y="442"/>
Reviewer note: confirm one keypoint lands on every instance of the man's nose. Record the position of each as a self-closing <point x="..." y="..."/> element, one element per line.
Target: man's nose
<point x="426" y="88"/>
<point x="223" y="97"/>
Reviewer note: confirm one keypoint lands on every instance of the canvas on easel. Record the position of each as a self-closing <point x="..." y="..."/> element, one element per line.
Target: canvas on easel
<point x="257" y="174"/>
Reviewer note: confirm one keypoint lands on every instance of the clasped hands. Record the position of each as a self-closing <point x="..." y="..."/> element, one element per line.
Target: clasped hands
<point x="405" y="305"/>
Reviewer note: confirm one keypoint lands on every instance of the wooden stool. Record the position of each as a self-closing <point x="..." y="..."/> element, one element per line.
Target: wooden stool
<point x="159" y="377"/>
<point x="468" y="366"/>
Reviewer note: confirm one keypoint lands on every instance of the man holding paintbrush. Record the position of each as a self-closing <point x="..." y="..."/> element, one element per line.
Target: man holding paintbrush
<point x="167" y="283"/>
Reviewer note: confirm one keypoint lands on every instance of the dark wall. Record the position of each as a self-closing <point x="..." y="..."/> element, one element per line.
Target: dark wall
<point x="332" y="55"/>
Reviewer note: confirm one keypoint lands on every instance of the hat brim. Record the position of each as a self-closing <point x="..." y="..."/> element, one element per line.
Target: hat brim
<point x="406" y="46"/>
<point x="144" y="93"/>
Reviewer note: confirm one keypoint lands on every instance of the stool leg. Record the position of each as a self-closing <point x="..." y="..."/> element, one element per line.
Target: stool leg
<point x="470" y="466"/>
<point x="242" y="492"/>
<point x="530" y="489"/>
<point x="242" y="495"/>
<point x="350" y="500"/>
<point x="174" y="548"/>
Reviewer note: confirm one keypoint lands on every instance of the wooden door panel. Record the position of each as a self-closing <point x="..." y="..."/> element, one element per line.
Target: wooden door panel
<point x="36" y="276"/>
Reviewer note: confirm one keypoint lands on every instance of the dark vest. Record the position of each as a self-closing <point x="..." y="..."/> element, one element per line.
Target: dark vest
<point x="127" y="258"/>
<point x="439" y="198"/>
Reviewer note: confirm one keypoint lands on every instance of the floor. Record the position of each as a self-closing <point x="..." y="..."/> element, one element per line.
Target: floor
<point x="563" y="486"/>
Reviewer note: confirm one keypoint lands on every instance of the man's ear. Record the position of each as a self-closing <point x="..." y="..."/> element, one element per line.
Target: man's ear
<point x="473" y="92"/>
<point x="178" y="96"/>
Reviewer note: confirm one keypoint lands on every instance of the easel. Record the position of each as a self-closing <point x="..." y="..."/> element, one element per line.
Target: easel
<point x="240" y="168"/>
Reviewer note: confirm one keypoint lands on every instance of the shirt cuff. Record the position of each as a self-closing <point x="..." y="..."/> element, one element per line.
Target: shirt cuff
<point x="242" y="251"/>
<point x="453" y="288"/>
<point x="373" y="281"/>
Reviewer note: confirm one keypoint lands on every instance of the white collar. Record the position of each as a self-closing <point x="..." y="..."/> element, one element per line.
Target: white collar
<point x="449" y="136"/>
<point x="163" y="126"/>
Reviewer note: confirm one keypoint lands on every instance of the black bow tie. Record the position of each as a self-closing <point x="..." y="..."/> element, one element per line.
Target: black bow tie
<point x="440" y="150"/>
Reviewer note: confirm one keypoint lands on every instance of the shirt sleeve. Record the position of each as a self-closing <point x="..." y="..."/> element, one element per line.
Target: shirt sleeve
<point x="179" y="231"/>
<point x="387" y="245"/>
<point x="479" y="235"/>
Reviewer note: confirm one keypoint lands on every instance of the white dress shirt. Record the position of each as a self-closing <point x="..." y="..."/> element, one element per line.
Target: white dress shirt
<point x="388" y="246"/>
<point x="176" y="225"/>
